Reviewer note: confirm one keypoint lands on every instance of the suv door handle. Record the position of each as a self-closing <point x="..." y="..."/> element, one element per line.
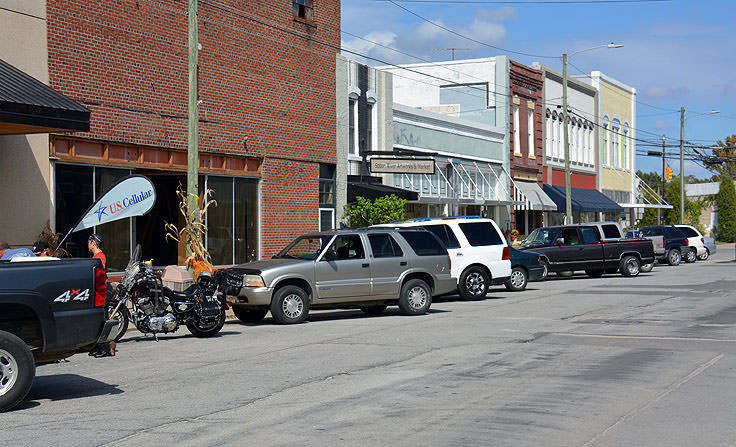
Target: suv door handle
<point x="402" y="263"/>
<point x="365" y="266"/>
<point x="459" y="254"/>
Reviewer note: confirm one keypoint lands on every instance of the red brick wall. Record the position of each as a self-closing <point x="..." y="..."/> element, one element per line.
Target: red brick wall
<point x="577" y="180"/>
<point x="127" y="61"/>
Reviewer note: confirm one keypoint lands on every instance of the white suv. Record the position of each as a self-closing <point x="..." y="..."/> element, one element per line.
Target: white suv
<point x="479" y="254"/>
<point x="694" y="239"/>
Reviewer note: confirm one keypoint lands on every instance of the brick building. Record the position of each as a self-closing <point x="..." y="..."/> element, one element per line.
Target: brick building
<point x="526" y="151"/>
<point x="267" y="123"/>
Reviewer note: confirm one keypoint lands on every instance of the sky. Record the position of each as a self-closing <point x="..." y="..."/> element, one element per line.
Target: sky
<point x="677" y="53"/>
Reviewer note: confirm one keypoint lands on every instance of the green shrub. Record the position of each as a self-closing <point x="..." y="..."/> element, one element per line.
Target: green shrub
<point x="365" y="212"/>
<point x="726" y="210"/>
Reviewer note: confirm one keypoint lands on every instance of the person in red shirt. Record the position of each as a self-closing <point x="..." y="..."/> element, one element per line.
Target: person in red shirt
<point x="96" y="245"/>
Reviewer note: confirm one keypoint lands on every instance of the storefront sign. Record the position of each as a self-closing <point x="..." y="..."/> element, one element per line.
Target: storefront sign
<point x="402" y="165"/>
<point x="131" y="196"/>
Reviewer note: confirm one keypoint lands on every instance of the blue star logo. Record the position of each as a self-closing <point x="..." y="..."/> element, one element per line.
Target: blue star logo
<point x="100" y="211"/>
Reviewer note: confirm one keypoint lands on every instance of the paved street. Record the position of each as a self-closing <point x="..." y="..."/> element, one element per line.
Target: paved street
<point x="570" y="362"/>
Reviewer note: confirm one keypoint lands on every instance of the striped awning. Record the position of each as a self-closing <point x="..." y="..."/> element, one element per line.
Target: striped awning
<point x="532" y="197"/>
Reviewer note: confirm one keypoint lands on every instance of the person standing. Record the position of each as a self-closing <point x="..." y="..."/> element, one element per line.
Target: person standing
<point x="96" y="246"/>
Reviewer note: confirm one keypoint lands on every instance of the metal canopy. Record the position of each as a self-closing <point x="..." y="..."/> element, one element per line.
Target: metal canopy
<point x="30" y="106"/>
<point x="533" y="197"/>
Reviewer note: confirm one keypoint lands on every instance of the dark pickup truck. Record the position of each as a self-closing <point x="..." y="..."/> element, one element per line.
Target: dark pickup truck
<point x="579" y="247"/>
<point x="50" y="309"/>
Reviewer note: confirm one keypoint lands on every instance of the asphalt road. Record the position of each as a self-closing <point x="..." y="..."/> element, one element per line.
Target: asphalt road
<point x="614" y="361"/>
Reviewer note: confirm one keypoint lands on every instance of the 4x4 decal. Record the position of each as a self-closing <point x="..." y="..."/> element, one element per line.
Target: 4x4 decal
<point x="73" y="294"/>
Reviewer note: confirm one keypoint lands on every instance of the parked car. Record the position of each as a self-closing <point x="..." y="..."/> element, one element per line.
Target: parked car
<point x="526" y="266"/>
<point x="479" y="252"/>
<point x="710" y="247"/>
<point x="579" y="247"/>
<point x="369" y="268"/>
<point x="694" y="239"/>
<point x="674" y="242"/>
<point x="50" y="309"/>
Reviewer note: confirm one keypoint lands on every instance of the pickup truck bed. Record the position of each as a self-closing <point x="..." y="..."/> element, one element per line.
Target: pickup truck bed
<point x="49" y="310"/>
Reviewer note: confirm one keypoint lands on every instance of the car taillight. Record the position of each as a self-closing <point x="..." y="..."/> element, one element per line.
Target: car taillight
<point x="449" y="264"/>
<point x="664" y="242"/>
<point x="100" y="286"/>
<point x="506" y="253"/>
<point x="702" y="240"/>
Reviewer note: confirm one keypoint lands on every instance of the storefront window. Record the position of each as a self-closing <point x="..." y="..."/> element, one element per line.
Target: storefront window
<point x="232" y="225"/>
<point x="77" y="187"/>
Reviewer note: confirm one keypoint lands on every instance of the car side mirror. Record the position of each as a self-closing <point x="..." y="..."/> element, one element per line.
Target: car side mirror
<point x="330" y="255"/>
<point x="560" y="241"/>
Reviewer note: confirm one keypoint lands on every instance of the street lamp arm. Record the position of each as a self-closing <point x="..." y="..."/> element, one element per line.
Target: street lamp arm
<point x="610" y="45"/>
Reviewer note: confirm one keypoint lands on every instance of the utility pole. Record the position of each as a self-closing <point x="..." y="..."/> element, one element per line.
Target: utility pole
<point x="682" y="166"/>
<point x="568" y="189"/>
<point x="664" y="179"/>
<point x="193" y="135"/>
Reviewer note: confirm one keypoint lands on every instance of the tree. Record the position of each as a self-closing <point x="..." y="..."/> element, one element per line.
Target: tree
<point x="692" y="209"/>
<point x="726" y="210"/>
<point x="724" y="158"/>
<point x="365" y="212"/>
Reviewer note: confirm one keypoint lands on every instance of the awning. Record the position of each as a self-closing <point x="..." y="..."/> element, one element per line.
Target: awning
<point x="30" y="106"/>
<point x="372" y="190"/>
<point x="533" y="197"/>
<point x="590" y="200"/>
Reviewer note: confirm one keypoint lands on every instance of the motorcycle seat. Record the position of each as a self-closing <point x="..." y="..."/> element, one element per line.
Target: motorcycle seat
<point x="186" y="294"/>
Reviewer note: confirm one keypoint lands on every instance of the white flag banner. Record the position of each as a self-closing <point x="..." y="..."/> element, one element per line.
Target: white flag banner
<point x="130" y="197"/>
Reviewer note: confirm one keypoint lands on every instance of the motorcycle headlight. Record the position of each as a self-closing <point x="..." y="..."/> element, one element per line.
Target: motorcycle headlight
<point x="253" y="281"/>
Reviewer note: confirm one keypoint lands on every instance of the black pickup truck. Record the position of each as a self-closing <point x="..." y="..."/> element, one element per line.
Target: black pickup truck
<point x="49" y="310"/>
<point x="579" y="247"/>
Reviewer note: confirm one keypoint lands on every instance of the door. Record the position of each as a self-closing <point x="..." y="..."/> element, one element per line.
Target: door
<point x="388" y="262"/>
<point x="591" y="249"/>
<point x="349" y="275"/>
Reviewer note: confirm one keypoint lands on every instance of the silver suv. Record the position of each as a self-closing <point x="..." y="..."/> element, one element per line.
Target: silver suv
<point x="365" y="268"/>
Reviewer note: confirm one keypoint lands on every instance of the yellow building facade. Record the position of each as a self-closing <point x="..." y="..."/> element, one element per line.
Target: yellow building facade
<point x="617" y="140"/>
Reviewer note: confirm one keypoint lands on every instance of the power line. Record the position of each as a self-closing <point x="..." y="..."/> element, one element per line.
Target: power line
<point x="451" y="31"/>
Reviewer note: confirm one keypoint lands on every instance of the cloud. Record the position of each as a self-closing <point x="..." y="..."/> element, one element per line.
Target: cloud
<point x="497" y="15"/>
<point x="662" y="125"/>
<point x="426" y="41"/>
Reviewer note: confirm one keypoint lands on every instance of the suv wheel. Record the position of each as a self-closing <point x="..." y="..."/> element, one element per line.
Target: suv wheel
<point x="473" y="284"/>
<point x="646" y="268"/>
<point x="246" y="315"/>
<point x="630" y="266"/>
<point x="705" y="255"/>
<point x="691" y="256"/>
<point x="674" y="257"/>
<point x="518" y="280"/>
<point x="17" y="369"/>
<point x="290" y="305"/>
<point x="415" y="298"/>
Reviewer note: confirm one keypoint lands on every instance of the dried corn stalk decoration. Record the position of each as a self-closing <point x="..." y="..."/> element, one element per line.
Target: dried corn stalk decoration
<point x="193" y="232"/>
<point x="51" y="238"/>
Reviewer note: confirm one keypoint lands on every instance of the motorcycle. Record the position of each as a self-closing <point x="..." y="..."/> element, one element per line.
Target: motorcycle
<point x="142" y="298"/>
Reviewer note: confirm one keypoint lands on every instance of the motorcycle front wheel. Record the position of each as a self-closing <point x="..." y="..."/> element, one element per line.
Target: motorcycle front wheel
<point x="123" y="317"/>
<point x="202" y="330"/>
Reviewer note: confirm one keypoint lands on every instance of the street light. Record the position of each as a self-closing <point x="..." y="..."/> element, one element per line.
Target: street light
<point x="682" y="157"/>
<point x="568" y="189"/>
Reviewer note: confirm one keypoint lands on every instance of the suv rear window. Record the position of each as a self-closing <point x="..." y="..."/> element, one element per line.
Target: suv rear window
<point x="384" y="246"/>
<point x="445" y="234"/>
<point x="481" y="233"/>
<point x="424" y="243"/>
<point x="689" y="232"/>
